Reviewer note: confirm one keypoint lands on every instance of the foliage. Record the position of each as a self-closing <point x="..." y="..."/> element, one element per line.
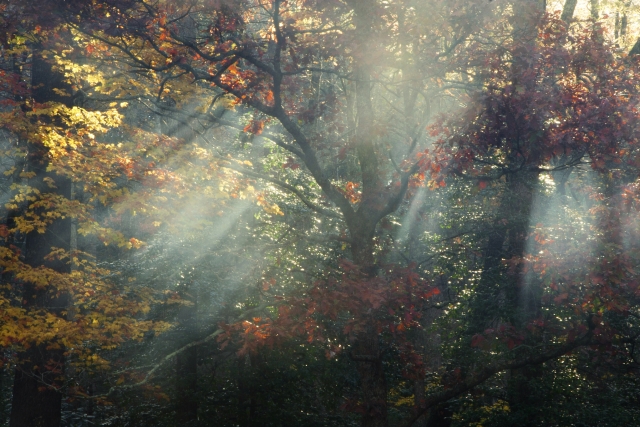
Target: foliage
<point x="277" y="188"/>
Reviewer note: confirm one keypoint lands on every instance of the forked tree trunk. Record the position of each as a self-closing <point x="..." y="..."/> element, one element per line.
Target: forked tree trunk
<point x="366" y="349"/>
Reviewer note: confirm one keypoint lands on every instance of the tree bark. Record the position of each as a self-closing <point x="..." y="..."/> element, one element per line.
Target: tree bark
<point x="187" y="368"/>
<point x="595" y="9"/>
<point x="568" y="10"/>
<point x="247" y="396"/>
<point x="501" y="289"/>
<point x="372" y="380"/>
<point x="36" y="401"/>
<point x="366" y="348"/>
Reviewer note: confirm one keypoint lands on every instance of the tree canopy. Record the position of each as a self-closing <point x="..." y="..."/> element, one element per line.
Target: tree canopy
<point x="319" y="213"/>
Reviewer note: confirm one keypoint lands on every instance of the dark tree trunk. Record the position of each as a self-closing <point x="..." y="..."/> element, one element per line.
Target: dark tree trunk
<point x="366" y="353"/>
<point x="247" y="409"/>
<point x="501" y="292"/>
<point x="440" y="416"/>
<point x="366" y="348"/>
<point x="187" y="368"/>
<point x="186" y="387"/>
<point x="36" y="402"/>
<point x="501" y="288"/>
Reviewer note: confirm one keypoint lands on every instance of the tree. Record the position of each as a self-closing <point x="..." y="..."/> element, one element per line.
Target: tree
<point x="61" y="312"/>
<point x="266" y="69"/>
<point x="332" y="100"/>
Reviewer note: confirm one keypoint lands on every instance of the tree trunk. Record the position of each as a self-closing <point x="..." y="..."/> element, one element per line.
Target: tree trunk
<point x="247" y="404"/>
<point x="186" y="387"/>
<point x="36" y="402"/>
<point x="366" y="348"/>
<point x="187" y="367"/>
<point x="373" y="384"/>
<point x="501" y="289"/>
<point x="568" y="10"/>
<point x="440" y="416"/>
<point x="595" y="9"/>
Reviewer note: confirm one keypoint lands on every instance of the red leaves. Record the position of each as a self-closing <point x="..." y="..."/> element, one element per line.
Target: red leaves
<point x="431" y="292"/>
<point x="572" y="95"/>
<point x="291" y="164"/>
<point x="391" y="302"/>
<point x="254" y="127"/>
<point x="477" y="340"/>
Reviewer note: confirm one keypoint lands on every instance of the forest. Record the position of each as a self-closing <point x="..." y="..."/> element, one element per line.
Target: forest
<point x="319" y="213"/>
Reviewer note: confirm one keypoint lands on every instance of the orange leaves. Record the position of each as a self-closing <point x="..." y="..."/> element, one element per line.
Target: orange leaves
<point x="233" y="69"/>
<point x="251" y="334"/>
<point x="351" y="192"/>
<point x="431" y="293"/>
<point x="254" y="127"/>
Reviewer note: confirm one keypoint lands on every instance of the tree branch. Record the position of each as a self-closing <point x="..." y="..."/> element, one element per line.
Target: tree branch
<point x="287" y="187"/>
<point x="484" y="374"/>
<point x="184" y="348"/>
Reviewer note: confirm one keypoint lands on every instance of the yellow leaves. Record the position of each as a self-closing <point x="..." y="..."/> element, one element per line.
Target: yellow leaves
<point x="104" y="313"/>
<point x="135" y="243"/>
<point x="50" y="182"/>
<point x="61" y="92"/>
<point x="271" y="209"/>
<point x="77" y="118"/>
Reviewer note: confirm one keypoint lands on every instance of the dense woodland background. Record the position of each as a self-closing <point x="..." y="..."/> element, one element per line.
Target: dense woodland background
<point x="319" y="213"/>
